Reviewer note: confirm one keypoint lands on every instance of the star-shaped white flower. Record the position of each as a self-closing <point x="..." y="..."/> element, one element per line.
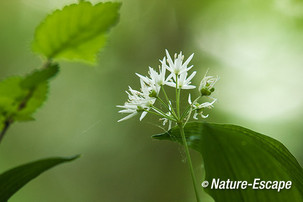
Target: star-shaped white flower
<point x="156" y="79"/>
<point x="198" y="108"/>
<point x="137" y="102"/>
<point x="182" y="81"/>
<point x="176" y="67"/>
<point x="179" y="72"/>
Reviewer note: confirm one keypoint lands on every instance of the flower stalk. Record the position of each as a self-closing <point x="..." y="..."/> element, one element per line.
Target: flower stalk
<point x="144" y="101"/>
<point x="189" y="162"/>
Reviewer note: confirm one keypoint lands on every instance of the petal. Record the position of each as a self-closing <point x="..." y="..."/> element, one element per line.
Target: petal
<point x="143" y="115"/>
<point x="152" y="72"/>
<point x="203" y="116"/>
<point x="188" y="87"/>
<point x="191" y="76"/>
<point x="127" y="111"/>
<point x="188" y="60"/>
<point x="189" y="99"/>
<point x="186" y="69"/>
<point x="163" y="61"/>
<point x="144" y="78"/>
<point x="169" y="77"/>
<point x="128" y="117"/>
<point x="169" y="125"/>
<point x="182" y="77"/>
<point x="169" y="60"/>
<point x="195" y="116"/>
<point x="178" y="61"/>
<point x="171" y="84"/>
<point x="164" y="121"/>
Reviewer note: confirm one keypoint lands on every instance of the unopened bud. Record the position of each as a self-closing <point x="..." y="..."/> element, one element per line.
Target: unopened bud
<point x="206" y="91"/>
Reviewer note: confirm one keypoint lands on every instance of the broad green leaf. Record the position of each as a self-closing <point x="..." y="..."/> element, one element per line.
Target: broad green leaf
<point x="20" y="97"/>
<point x="13" y="180"/>
<point x="77" y="32"/>
<point x="236" y="153"/>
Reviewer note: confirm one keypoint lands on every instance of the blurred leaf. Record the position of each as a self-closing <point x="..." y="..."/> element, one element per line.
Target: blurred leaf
<point x="11" y="96"/>
<point x="77" y="32"/>
<point x="32" y="101"/>
<point x="239" y="154"/>
<point x="40" y="76"/>
<point x="13" y="180"/>
<point x="20" y="97"/>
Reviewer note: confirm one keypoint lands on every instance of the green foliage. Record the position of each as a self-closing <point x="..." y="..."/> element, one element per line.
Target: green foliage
<point x="236" y="153"/>
<point x="40" y="76"/>
<point x="77" y="32"/>
<point x="21" y="96"/>
<point x="13" y="180"/>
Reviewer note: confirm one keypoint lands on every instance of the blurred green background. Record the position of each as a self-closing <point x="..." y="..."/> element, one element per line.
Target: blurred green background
<point x="255" y="47"/>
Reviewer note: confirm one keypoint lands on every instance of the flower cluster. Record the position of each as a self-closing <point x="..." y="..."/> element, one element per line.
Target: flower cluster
<point x="178" y="77"/>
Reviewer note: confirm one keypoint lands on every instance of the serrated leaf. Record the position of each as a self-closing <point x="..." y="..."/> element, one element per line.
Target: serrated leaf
<point x="39" y="76"/>
<point x="13" y="180"/>
<point x="77" y="32"/>
<point x="239" y="154"/>
<point x="11" y="95"/>
<point x="37" y="97"/>
<point x="20" y="97"/>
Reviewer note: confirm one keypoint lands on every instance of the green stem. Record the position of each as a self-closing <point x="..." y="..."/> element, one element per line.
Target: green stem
<point x="163" y="113"/>
<point x="165" y="105"/>
<point x="158" y="114"/>
<point x="155" y="113"/>
<point x="189" y="161"/>
<point x="185" y="112"/>
<point x="177" y="97"/>
<point x="171" y="106"/>
<point x="5" y="128"/>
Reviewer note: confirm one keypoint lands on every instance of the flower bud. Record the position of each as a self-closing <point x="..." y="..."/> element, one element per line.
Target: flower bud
<point x="207" y="85"/>
<point x="205" y="92"/>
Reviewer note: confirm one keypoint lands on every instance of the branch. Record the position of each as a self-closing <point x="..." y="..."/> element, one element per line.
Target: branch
<point x="6" y="126"/>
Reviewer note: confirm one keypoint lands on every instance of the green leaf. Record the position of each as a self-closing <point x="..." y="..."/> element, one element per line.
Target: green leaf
<point x="13" y="180"/>
<point x="39" y="76"/>
<point x="20" y="97"/>
<point x="11" y="96"/>
<point x="239" y="154"/>
<point x="77" y="32"/>
<point x="33" y="100"/>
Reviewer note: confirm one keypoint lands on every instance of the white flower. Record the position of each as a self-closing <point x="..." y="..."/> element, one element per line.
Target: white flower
<point x="198" y="108"/>
<point x="207" y="84"/>
<point x="182" y="82"/>
<point x="176" y="67"/>
<point x="143" y="101"/>
<point x="156" y="79"/>
<point x="178" y="77"/>
<point x="129" y="108"/>
<point x="137" y="102"/>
